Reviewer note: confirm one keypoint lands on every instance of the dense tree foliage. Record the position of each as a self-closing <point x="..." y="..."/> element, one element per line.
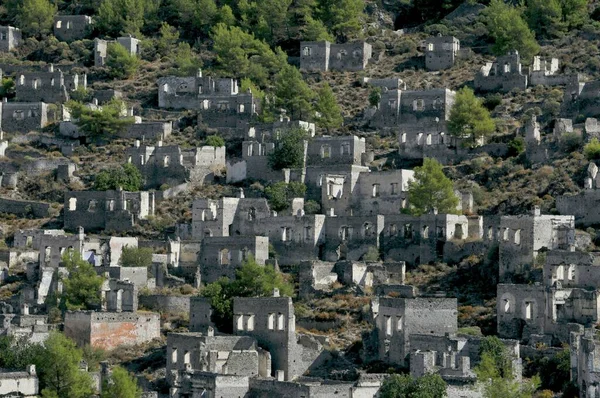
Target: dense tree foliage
<point x="293" y="94"/>
<point x="431" y="189"/>
<point x="405" y="386"/>
<point x="121" y="64"/>
<point x="107" y="120"/>
<point x="215" y="141"/>
<point x="252" y="280"/>
<point x="35" y="17"/>
<point x="119" y="17"/>
<point x="136" y="257"/>
<point x="127" y="177"/>
<point x="81" y="289"/>
<point x="329" y="113"/>
<point x="509" y="31"/>
<point x="495" y="372"/>
<point x="469" y="118"/>
<point x="280" y="194"/>
<point x="289" y="150"/>
<point x="121" y="384"/>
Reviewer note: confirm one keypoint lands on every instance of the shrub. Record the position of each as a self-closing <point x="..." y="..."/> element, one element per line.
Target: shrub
<point x="312" y="207"/>
<point x="121" y="64"/>
<point x="570" y="142"/>
<point x="592" y="149"/>
<point x="215" y="140"/>
<point x="516" y="146"/>
<point x="492" y="101"/>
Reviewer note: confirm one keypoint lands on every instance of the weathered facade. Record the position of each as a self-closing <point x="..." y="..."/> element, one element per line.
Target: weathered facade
<point x="10" y="38"/>
<point x="72" y="27"/>
<point x="441" y="52"/>
<point x="23" y="117"/>
<point x="504" y="74"/>
<point x="52" y="86"/>
<point x="321" y="56"/>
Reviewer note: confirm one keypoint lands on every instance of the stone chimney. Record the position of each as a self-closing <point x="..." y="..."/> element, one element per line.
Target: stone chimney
<point x="24" y="309"/>
<point x="536" y="211"/>
<point x="199" y="72"/>
<point x="275" y="292"/>
<point x="280" y="374"/>
<point x="31" y="370"/>
<point x="51" y="68"/>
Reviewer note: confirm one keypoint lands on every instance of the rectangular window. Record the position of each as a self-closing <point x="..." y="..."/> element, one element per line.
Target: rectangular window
<point x="399" y="323"/>
<point x="240" y="322"/>
<point x="394" y="188"/>
<point x="388" y="325"/>
<point x="528" y="310"/>
<point x="250" y="323"/>
<point x="271" y="322"/>
<point x="281" y="322"/>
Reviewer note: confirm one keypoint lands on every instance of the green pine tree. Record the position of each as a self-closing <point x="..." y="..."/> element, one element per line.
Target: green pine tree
<point x="330" y="114"/>
<point x="469" y="118"/>
<point x="430" y="190"/>
<point x="293" y="94"/>
<point x="121" y="384"/>
<point x="35" y="17"/>
<point x="81" y="290"/>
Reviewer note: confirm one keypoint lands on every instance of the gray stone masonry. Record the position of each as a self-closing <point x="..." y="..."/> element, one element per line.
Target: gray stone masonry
<point x="397" y="319"/>
<point x="196" y="383"/>
<point x="23" y="117"/>
<point x="365" y="192"/>
<point x="546" y="72"/>
<point x="24" y="208"/>
<point x="10" y="38"/>
<point x="441" y="52"/>
<point x="227" y="355"/>
<point x="223" y="256"/>
<point x="582" y="205"/>
<point x="19" y="383"/>
<point x="585" y="369"/>
<point x="110" y="210"/>
<point x="52" y="86"/>
<point x="321" y="56"/>
<point x="131" y="44"/>
<point x="502" y="75"/>
<point x="271" y="321"/>
<point x="109" y="330"/>
<point x="200" y="314"/>
<point x="172" y="165"/>
<point x="522" y="237"/>
<point x="304" y="387"/>
<point x="72" y="27"/>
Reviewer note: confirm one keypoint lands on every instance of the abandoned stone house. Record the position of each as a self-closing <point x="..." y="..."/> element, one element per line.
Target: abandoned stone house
<point x="504" y="74"/>
<point x="441" y="52"/>
<point x="221" y="256"/>
<point x="23" y="117"/>
<point x="546" y="72"/>
<point x="107" y="210"/>
<point x="585" y="371"/>
<point x="454" y="357"/>
<point x="395" y="320"/>
<point x="32" y="328"/>
<point x="566" y="300"/>
<point x="172" y="165"/>
<point x="322" y="56"/>
<point x="118" y="324"/>
<point x="315" y="277"/>
<point x="418" y="117"/>
<point x="271" y="321"/>
<point x="10" y="38"/>
<point x="581" y="205"/>
<point x="52" y="86"/>
<point x="131" y="44"/>
<point x="72" y="27"/>
<point x="220" y="355"/>
<point x="364" y="192"/>
<point x="19" y="383"/>
<point x="267" y="132"/>
<point x="522" y="239"/>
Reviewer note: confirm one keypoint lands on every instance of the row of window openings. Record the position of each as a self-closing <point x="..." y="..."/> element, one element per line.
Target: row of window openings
<point x="346" y="232"/>
<point x="307" y="52"/>
<point x="166" y="160"/>
<point x="391" y="324"/>
<point x="375" y="189"/>
<point x="69" y="24"/>
<point x="274" y="322"/>
<point x="440" y="231"/>
<point x="528" y="308"/>
<point x="48" y="252"/>
<point x="35" y="83"/>
<point x="419" y="138"/>
<point x="287" y="234"/>
<point x="20" y="115"/>
<point x="326" y="150"/>
<point x="418" y="105"/>
<point x="93" y="205"/>
<point x="186" y="357"/>
<point x="206" y="104"/>
<point x="505" y="235"/>
<point x="225" y="256"/>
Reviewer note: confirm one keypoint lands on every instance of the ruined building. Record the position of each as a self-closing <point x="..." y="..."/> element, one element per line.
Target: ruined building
<point x="171" y="165"/>
<point x="10" y="38"/>
<point x="585" y="370"/>
<point x="110" y="210"/>
<point x="441" y="52"/>
<point x="522" y="239"/>
<point x="504" y="74"/>
<point x="52" y="86"/>
<point x="23" y="117"/>
<point x="579" y="204"/>
<point x="72" y="27"/>
<point x="271" y="321"/>
<point x="322" y="56"/>
<point x="131" y="44"/>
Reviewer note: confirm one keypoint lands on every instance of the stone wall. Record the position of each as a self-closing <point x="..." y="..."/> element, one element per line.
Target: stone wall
<point x="109" y="330"/>
<point x="169" y="304"/>
<point x="10" y="38"/>
<point x="23" y="117"/>
<point x="24" y="208"/>
<point x="72" y="27"/>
